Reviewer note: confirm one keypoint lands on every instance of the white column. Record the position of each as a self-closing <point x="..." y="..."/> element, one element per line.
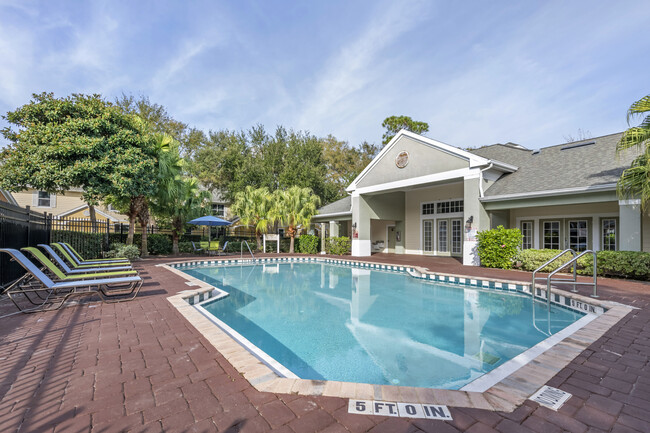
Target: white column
<point x="360" y="227"/>
<point x="629" y="230"/>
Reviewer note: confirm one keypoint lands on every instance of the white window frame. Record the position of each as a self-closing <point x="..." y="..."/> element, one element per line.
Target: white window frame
<point x="531" y="243"/>
<point x="602" y="232"/>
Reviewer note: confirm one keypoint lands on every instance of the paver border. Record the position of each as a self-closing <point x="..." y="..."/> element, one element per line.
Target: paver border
<point x="506" y="395"/>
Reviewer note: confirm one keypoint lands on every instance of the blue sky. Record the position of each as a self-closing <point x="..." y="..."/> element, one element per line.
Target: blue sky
<point x="478" y="72"/>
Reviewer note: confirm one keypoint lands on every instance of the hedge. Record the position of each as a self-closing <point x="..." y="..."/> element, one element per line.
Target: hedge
<point x="621" y="264"/>
<point x="308" y="244"/>
<point x="338" y="245"/>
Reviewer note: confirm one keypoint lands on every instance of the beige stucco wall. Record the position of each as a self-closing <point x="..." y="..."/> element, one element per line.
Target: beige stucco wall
<point x="414" y="199"/>
<point x="423" y="160"/>
<point x="378" y="230"/>
<point x="62" y="203"/>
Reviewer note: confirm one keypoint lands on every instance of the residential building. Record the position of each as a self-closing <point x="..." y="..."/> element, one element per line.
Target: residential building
<point x="421" y="196"/>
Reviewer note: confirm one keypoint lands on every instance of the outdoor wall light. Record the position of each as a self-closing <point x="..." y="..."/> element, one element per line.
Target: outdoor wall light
<point x="468" y="223"/>
<point x="354" y="226"/>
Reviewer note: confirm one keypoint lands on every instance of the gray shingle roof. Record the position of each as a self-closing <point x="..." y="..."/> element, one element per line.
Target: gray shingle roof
<point x="568" y="165"/>
<point x="343" y="205"/>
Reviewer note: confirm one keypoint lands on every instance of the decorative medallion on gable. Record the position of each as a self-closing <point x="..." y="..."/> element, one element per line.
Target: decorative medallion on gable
<point x="402" y="159"/>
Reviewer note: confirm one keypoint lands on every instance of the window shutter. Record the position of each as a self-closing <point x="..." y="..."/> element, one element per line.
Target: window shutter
<point x="35" y="199"/>
<point x="52" y="200"/>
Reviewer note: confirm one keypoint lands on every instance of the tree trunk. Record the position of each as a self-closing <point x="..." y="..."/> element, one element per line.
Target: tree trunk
<point x="177" y="228"/>
<point x="142" y="209"/>
<point x="258" y="238"/>
<point x="292" y="234"/>
<point x="132" y="216"/>
<point x="93" y="217"/>
<point x="129" y="236"/>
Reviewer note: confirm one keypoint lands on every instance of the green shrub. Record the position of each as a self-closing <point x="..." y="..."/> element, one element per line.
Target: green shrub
<point x="185" y="247"/>
<point x="498" y="247"/>
<point x="158" y="244"/>
<point x="308" y="244"/>
<point x="131" y="252"/>
<point x="89" y="245"/>
<point x="532" y="259"/>
<point x="338" y="246"/>
<point x="622" y="264"/>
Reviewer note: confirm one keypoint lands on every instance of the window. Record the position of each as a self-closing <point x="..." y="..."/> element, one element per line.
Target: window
<point x="578" y="234"/>
<point x="44" y="199"/>
<point x="551" y="235"/>
<point x="456" y="236"/>
<point x="442" y="236"/>
<point x="428" y="238"/>
<point x="527" y="234"/>
<point x="112" y="209"/>
<point x="218" y="210"/>
<point x="452" y="206"/>
<point x="428" y="208"/>
<point x="608" y="231"/>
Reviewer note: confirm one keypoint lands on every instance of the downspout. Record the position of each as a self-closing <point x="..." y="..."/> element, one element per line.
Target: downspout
<point x="480" y="179"/>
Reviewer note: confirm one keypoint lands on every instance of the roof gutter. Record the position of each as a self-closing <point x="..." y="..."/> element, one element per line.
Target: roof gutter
<point x="551" y="192"/>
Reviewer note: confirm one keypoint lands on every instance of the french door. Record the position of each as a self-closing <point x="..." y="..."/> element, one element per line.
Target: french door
<point x="448" y="239"/>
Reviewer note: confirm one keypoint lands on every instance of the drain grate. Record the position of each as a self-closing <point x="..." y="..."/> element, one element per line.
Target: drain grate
<point x="552" y="398"/>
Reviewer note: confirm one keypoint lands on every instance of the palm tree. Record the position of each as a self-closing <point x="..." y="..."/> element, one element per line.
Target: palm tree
<point x="170" y="165"/>
<point x="254" y="208"/>
<point x="178" y="204"/>
<point x="635" y="181"/>
<point x="295" y="207"/>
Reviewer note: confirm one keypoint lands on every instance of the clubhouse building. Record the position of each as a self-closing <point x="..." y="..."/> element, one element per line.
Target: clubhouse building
<point x="421" y="196"/>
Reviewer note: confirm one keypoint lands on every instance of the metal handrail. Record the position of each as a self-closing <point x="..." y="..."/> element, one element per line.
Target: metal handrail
<point x="574" y="282"/>
<point x="241" y="254"/>
<point x="575" y="273"/>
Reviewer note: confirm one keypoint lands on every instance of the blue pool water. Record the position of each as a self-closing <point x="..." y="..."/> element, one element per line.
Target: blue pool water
<point x="335" y="322"/>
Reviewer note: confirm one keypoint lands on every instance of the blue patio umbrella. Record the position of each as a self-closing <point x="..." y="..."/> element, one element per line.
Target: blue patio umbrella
<point x="210" y="220"/>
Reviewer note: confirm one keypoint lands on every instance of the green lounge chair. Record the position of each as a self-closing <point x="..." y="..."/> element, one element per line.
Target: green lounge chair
<point x="60" y="276"/>
<point x="214" y="247"/>
<point x="52" y="296"/>
<point x="68" y="271"/>
<point x="81" y="261"/>
<point x="74" y="265"/>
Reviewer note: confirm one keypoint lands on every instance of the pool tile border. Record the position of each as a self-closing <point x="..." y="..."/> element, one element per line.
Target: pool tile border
<point x="506" y="395"/>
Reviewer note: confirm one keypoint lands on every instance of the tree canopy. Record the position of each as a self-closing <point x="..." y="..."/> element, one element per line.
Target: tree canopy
<point x="80" y="141"/>
<point x="394" y="124"/>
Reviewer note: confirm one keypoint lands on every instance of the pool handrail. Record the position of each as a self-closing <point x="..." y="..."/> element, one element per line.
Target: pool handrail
<point x="575" y="281"/>
<point x="557" y="256"/>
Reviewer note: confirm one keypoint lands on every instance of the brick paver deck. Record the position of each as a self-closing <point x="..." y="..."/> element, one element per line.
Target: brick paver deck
<point x="139" y="366"/>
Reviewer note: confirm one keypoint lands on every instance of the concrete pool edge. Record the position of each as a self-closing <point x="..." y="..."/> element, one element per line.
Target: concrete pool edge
<point x="506" y="395"/>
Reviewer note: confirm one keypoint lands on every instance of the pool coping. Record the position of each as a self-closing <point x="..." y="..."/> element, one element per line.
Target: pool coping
<point x="506" y="395"/>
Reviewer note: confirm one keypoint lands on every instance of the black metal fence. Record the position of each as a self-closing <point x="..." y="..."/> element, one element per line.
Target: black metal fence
<point x="20" y="227"/>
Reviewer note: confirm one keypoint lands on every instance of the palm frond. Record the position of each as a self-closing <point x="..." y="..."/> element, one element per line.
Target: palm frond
<point x="638" y="107"/>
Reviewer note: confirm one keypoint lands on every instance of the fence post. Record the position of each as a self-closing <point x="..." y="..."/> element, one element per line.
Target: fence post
<point x="29" y="225"/>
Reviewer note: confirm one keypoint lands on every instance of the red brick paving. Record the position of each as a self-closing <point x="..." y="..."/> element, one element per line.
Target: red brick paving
<point x="140" y="367"/>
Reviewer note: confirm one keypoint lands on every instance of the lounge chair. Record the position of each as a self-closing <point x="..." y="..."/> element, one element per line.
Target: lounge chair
<point x="213" y="247"/>
<point x="60" y="276"/>
<point x="52" y="296"/>
<point x="75" y="265"/>
<point x="67" y="270"/>
<point x="197" y="249"/>
<point x="81" y="261"/>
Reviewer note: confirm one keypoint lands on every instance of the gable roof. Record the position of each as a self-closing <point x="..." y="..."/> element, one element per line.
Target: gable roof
<point x="585" y="165"/>
<point x="337" y="208"/>
<point x="8" y="197"/>
<point x="474" y="160"/>
<point x="85" y="206"/>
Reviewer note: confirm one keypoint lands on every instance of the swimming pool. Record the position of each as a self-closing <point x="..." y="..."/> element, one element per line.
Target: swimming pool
<point x="326" y="321"/>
